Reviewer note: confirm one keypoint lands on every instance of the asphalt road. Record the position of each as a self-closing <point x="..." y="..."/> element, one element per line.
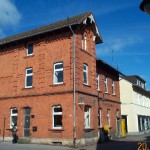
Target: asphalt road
<point x="129" y="143"/>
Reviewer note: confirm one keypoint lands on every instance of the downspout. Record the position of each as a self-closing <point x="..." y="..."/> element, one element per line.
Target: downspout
<point x="74" y="87"/>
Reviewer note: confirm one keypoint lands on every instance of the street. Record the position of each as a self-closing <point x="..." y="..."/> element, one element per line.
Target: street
<point x="140" y="142"/>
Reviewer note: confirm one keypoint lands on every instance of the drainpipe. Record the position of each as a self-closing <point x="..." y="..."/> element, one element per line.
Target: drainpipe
<point x="74" y="88"/>
<point x="4" y="129"/>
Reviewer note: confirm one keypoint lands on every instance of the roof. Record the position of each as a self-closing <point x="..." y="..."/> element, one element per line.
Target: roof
<point x="107" y="66"/>
<point x="79" y="19"/>
<point x="131" y="77"/>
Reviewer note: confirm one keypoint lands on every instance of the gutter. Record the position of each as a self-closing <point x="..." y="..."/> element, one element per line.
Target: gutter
<point x="74" y="86"/>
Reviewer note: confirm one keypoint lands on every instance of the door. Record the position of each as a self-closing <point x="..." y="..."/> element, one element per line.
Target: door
<point x="27" y="122"/>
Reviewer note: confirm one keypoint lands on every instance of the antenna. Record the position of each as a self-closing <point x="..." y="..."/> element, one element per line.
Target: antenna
<point x="112" y="56"/>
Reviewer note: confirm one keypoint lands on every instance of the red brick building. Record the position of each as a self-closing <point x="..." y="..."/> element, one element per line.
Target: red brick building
<point x="47" y="83"/>
<point x="108" y="97"/>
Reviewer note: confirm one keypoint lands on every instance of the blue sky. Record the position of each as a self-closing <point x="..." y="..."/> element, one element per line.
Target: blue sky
<point x="125" y="29"/>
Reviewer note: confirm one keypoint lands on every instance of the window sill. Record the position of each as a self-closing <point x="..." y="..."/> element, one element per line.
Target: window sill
<point x="88" y="129"/>
<point x="56" y="130"/>
<point x="27" y="88"/>
<point x="107" y="93"/>
<point x="58" y="84"/>
<point x="101" y="128"/>
<point x="28" y="56"/>
<point x="86" y="85"/>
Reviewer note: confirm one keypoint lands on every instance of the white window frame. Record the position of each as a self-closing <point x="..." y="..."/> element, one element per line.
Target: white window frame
<point x="27" y="75"/>
<point x="28" y="49"/>
<point x="86" y="72"/>
<point x="100" y="117"/>
<point x="106" y="84"/>
<point x="113" y="87"/>
<point x="98" y="81"/>
<point x="108" y="117"/>
<point x="87" y="117"/>
<point x="84" y="43"/>
<point x="56" y="113"/>
<point x="12" y="115"/>
<point x="56" y="70"/>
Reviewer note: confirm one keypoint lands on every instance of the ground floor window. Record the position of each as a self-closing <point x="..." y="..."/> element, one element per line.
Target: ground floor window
<point x="87" y="117"/>
<point x="143" y="123"/>
<point x="100" y="117"/>
<point x="57" y="117"/>
<point x="108" y="117"/>
<point x="13" y="117"/>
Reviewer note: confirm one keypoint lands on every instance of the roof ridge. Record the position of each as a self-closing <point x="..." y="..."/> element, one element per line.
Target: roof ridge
<point x="80" y="16"/>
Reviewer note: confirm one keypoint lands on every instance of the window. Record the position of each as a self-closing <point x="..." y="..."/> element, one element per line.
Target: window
<point x="113" y="87"/>
<point x="98" y="81"/>
<point x="29" y="78"/>
<point x="58" y="73"/>
<point x="30" y="49"/>
<point x="57" y="117"/>
<point x="85" y="74"/>
<point x="13" y="117"/>
<point x="87" y="117"/>
<point x="108" y="117"/>
<point x="84" y="43"/>
<point x="100" y="117"/>
<point x="117" y="113"/>
<point x="106" y="85"/>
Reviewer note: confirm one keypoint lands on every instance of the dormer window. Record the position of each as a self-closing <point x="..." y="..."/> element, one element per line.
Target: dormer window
<point x="84" y="43"/>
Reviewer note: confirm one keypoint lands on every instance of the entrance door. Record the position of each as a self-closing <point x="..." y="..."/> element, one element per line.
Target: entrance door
<point x="27" y="122"/>
<point x="125" y="118"/>
<point x="118" y="127"/>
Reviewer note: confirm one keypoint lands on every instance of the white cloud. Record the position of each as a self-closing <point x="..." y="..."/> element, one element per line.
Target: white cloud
<point x="9" y="15"/>
<point x="117" y="44"/>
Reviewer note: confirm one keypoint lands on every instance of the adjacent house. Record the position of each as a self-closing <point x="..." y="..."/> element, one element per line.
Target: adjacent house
<point x="53" y="88"/>
<point x="135" y="104"/>
<point x="109" y="110"/>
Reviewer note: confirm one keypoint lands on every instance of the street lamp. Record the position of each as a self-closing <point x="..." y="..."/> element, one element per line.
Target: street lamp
<point x="145" y="6"/>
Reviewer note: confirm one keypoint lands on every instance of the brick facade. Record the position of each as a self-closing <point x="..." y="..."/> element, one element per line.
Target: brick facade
<point x="48" y="49"/>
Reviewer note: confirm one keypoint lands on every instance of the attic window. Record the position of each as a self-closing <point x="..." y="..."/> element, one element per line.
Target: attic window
<point x="30" y="49"/>
<point x="84" y="43"/>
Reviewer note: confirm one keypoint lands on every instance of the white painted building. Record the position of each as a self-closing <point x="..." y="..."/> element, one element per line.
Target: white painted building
<point x="135" y="104"/>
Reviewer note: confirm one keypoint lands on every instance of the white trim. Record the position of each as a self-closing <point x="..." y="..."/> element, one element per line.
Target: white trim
<point x="113" y="87"/>
<point x="106" y="84"/>
<point x="100" y="117"/>
<point x="87" y="114"/>
<point x="54" y="75"/>
<point x="84" y="42"/>
<point x="108" y="117"/>
<point x="28" y="51"/>
<point x="27" y="75"/>
<point x="98" y="81"/>
<point x="86" y="72"/>
<point x="56" y="113"/>
<point x="12" y="114"/>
